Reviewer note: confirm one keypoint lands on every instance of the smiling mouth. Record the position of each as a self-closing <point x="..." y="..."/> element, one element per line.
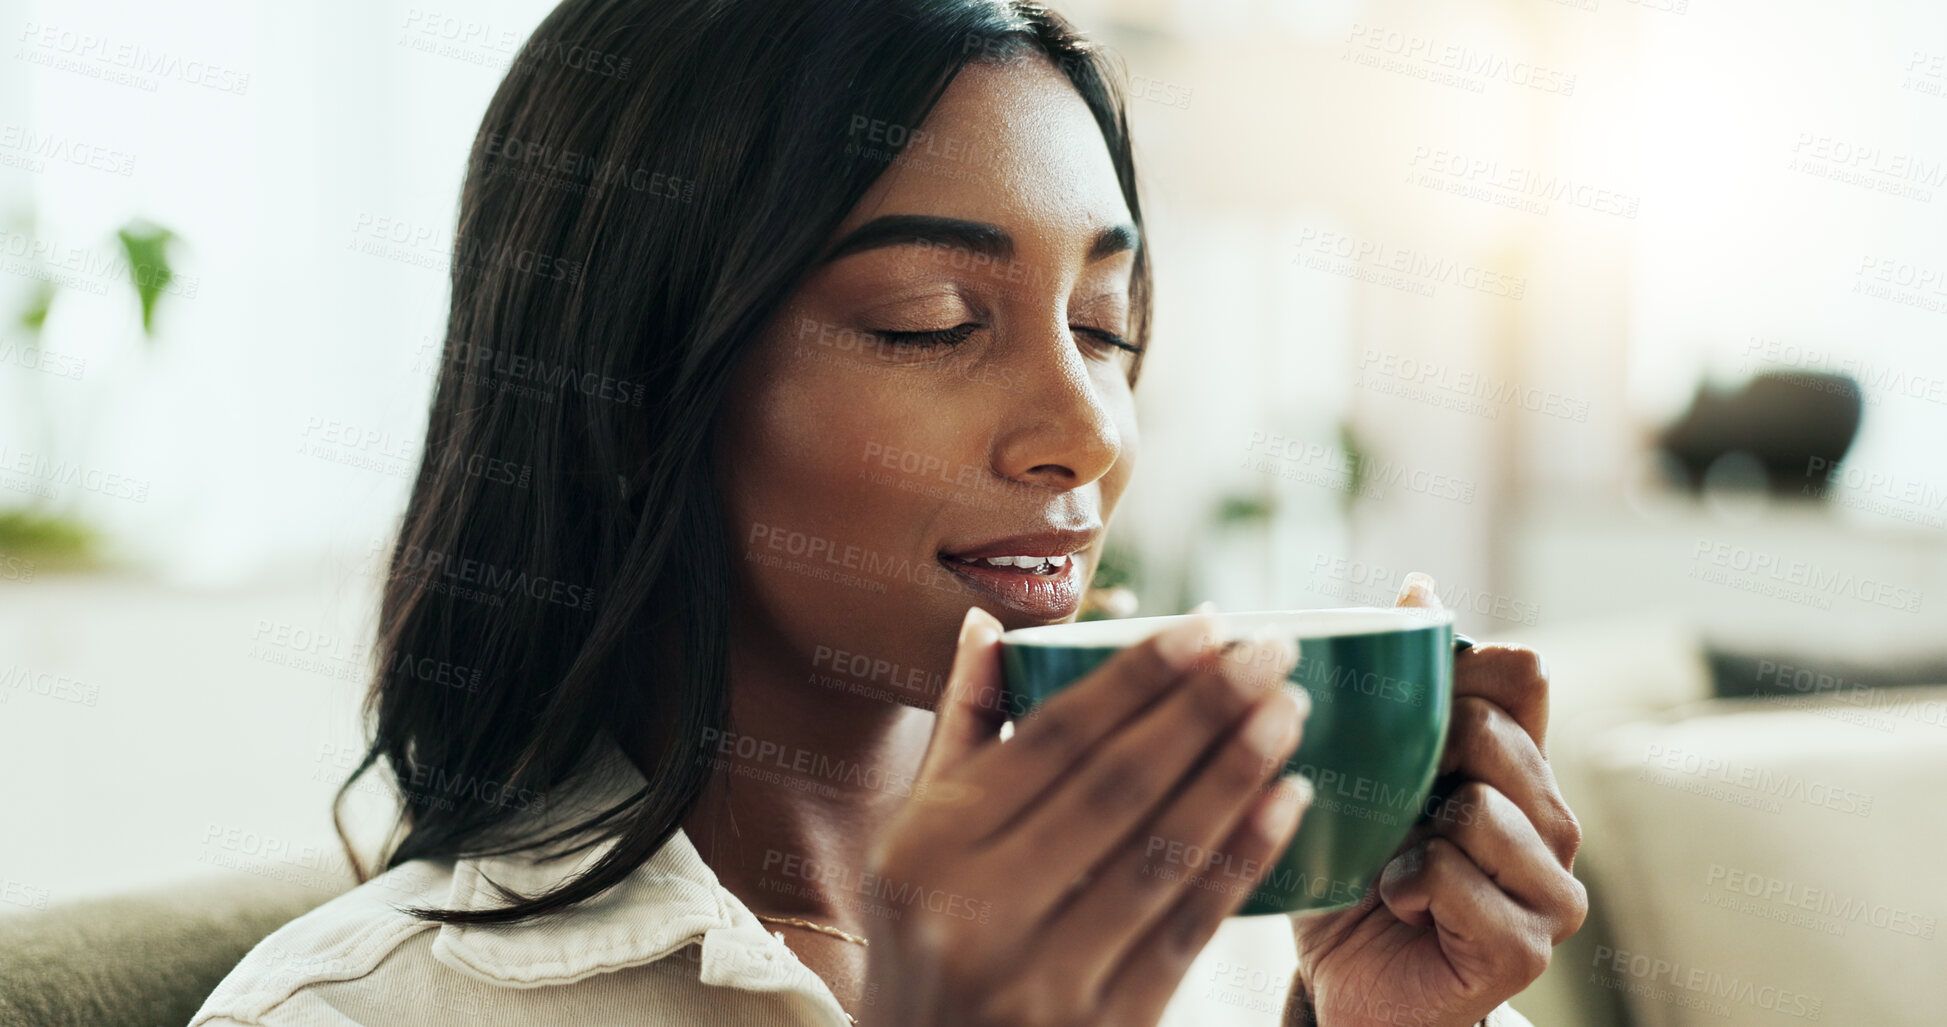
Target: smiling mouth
<point x="1047" y="566"/>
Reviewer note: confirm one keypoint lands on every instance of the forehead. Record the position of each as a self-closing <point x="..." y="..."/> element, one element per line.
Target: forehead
<point x="1011" y="144"/>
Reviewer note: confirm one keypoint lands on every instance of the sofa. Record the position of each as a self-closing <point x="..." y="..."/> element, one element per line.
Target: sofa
<point x="142" y="960"/>
<point x="1750" y="860"/>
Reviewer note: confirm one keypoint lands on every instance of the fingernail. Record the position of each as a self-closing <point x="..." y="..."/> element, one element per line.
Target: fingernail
<point x="1417" y="579"/>
<point x="1275" y="818"/>
<point x="1301" y="696"/>
<point x="1273" y="726"/>
<point x="977" y="626"/>
<point x="1180" y="644"/>
<point x="1285" y="656"/>
<point x="1259" y="662"/>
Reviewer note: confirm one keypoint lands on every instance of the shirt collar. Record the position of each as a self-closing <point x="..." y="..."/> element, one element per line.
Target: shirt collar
<point x="671" y="901"/>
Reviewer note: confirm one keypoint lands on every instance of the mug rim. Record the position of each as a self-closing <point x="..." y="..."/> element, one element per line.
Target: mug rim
<point x="1336" y="622"/>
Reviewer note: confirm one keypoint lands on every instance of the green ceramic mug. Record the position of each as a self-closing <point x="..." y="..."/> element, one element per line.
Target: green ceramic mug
<point x="1381" y="683"/>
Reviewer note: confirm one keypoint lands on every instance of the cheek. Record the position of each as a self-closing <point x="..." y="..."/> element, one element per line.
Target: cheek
<point x="838" y="528"/>
<point x="842" y="453"/>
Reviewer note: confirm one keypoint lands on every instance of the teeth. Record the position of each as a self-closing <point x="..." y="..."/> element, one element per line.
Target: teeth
<point x="1032" y="563"/>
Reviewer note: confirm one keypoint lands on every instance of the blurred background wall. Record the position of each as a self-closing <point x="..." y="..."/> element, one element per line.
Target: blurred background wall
<point x="1463" y="288"/>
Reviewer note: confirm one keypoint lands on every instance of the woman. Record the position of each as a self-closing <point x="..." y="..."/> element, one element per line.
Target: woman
<point x="814" y="326"/>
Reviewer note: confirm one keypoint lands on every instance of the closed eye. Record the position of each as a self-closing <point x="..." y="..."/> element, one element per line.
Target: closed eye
<point x="940" y="337"/>
<point x="960" y="333"/>
<point x="1109" y="337"/>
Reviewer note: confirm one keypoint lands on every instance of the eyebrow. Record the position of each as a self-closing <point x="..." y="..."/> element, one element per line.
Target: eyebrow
<point x="978" y="236"/>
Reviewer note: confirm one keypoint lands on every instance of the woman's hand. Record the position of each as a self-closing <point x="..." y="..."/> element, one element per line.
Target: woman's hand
<point x="1467" y="913"/>
<point x="1073" y="872"/>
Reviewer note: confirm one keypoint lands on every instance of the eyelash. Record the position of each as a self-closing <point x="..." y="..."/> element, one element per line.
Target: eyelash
<point x="958" y="334"/>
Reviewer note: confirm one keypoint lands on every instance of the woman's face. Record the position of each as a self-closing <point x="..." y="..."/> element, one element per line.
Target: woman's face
<point x="946" y="386"/>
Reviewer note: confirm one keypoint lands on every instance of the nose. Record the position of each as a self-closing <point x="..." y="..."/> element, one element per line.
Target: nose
<point x="1057" y="431"/>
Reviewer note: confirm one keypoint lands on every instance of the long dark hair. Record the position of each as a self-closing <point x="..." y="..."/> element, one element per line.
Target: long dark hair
<point x="649" y="183"/>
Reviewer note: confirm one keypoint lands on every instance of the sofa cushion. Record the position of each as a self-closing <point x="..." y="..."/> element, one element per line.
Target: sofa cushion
<point x="1737" y="672"/>
<point x="140" y="960"/>
<point x="1771" y="861"/>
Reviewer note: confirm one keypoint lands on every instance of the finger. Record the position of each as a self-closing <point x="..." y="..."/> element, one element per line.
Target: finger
<point x="1500" y="840"/>
<point x="1512" y="677"/>
<point x="1417" y="591"/>
<point x="1416" y="596"/>
<point x="1151" y="869"/>
<point x="1487" y="937"/>
<point x="989" y="789"/>
<point x="1123" y="783"/>
<point x="1152" y="969"/>
<point x="969" y="714"/>
<point x="1485" y="744"/>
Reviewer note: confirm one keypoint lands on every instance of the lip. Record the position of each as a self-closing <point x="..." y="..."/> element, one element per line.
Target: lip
<point x="1039" y="543"/>
<point x="1052" y="597"/>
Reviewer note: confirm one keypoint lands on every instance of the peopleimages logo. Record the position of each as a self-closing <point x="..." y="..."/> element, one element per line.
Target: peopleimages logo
<point x="1435" y="375"/>
<point x="1648" y="970"/>
<point x="443" y="573"/>
<point x="1410" y="270"/>
<point x="804" y="762"/>
<point x="89" y="54"/>
<point x="1524" y="188"/>
<point x="887" y="891"/>
<point x="1466" y="67"/>
<point x="551" y="165"/>
<point x="39" y="472"/>
<point x="36" y="146"/>
<point x="1299" y="460"/>
<point x="1836" y="909"/>
<point x="434" y="784"/>
<point x="1370" y="584"/>
<point x="1761" y="786"/>
<point x="1793" y="580"/>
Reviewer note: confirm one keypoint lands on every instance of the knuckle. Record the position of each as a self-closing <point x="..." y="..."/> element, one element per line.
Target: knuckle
<point x="1050" y="732"/>
<point x="1529" y="959"/>
<point x="1441" y="859"/>
<point x="1570" y="829"/>
<point x="1578" y="909"/>
<point x="1478" y="803"/>
<point x="1517" y="961"/>
<point x="1239" y="770"/>
<point x="1145" y="870"/>
<point x="1148" y="665"/>
<point x="1474" y="719"/>
<point x="1213" y="702"/>
<point x="1522" y="664"/>
<point x="1120" y="784"/>
<point x="1183" y="930"/>
<point x="1256" y="668"/>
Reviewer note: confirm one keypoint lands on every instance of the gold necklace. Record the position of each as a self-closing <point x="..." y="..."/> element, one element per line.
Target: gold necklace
<point x="821" y="929"/>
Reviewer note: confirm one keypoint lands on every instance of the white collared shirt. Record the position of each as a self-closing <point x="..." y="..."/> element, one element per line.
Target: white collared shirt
<point x="668" y="946"/>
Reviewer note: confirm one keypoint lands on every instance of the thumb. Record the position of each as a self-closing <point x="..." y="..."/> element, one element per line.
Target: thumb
<point x="970" y="712"/>
<point x="1417" y="591"/>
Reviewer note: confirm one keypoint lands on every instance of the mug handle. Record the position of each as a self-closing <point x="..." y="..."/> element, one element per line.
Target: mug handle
<point x="1444" y="785"/>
